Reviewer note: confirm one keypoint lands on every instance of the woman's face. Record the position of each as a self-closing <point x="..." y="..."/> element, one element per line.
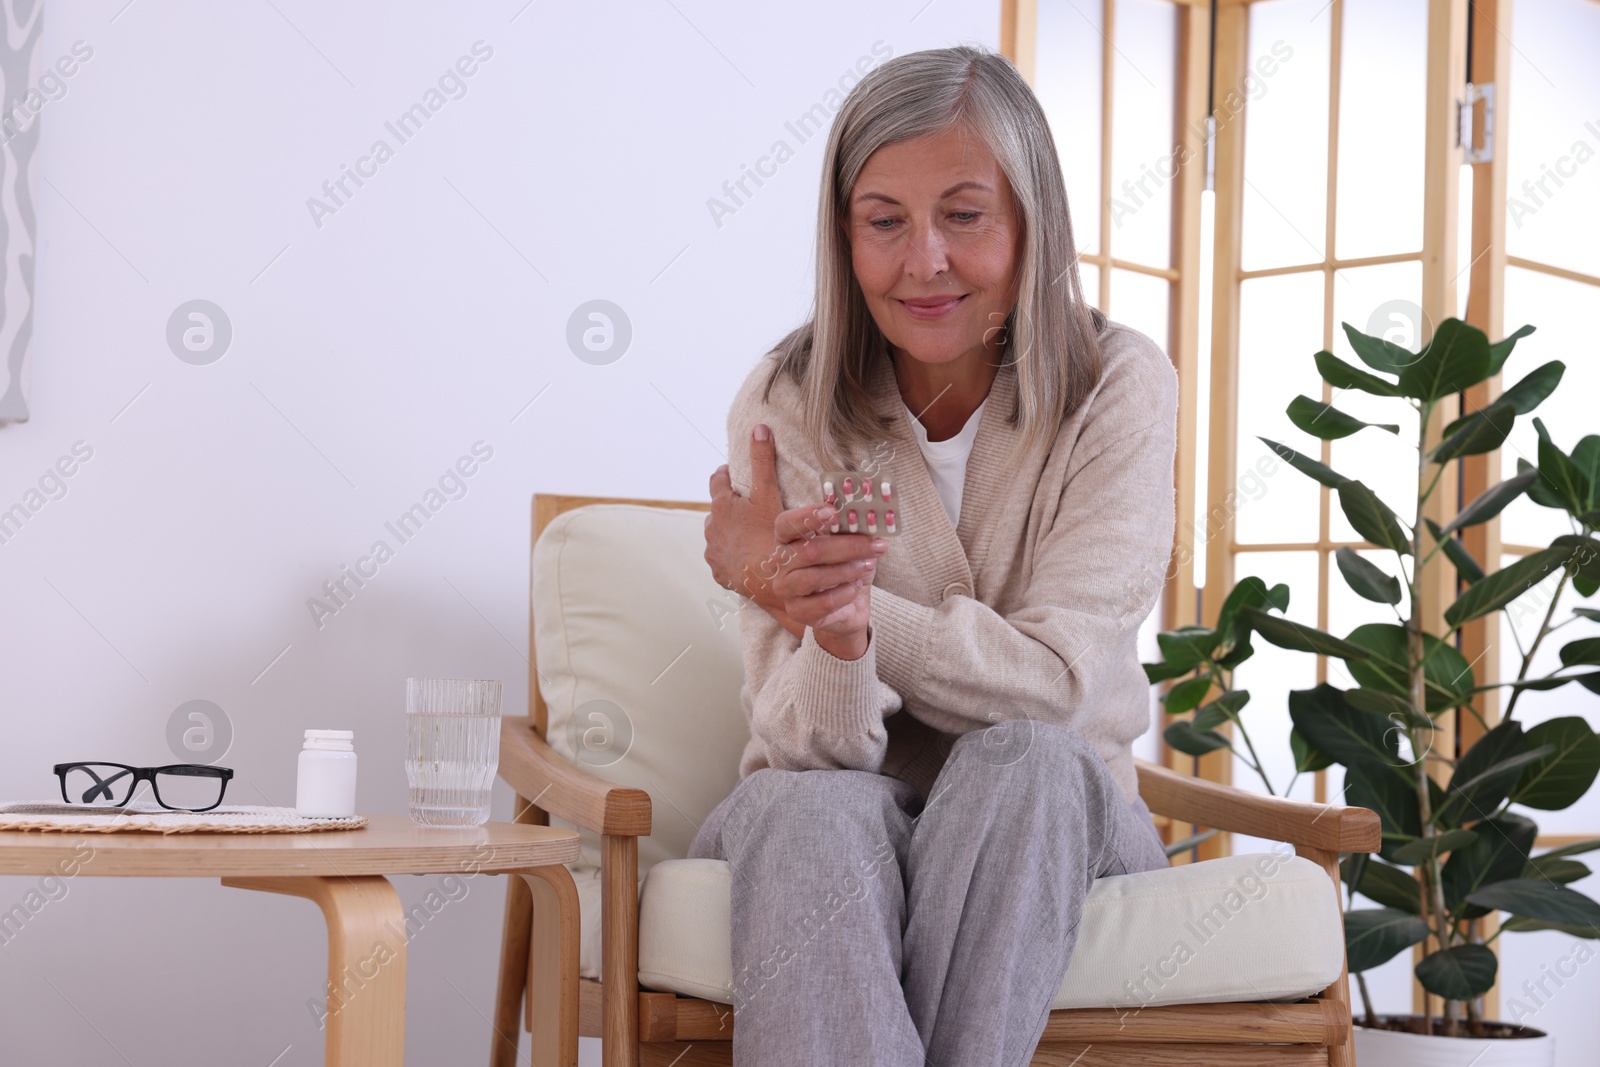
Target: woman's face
<point x="933" y="239"/>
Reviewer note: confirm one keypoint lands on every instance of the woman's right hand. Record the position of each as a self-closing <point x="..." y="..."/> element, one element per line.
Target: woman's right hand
<point x="825" y="579"/>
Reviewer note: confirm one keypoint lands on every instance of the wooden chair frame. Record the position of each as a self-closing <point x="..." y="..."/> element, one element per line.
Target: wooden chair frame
<point x="639" y="1026"/>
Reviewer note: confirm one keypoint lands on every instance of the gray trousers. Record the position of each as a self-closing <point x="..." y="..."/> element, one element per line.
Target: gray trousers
<point x="873" y="929"/>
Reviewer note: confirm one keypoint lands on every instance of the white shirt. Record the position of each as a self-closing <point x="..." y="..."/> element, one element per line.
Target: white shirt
<point x="947" y="460"/>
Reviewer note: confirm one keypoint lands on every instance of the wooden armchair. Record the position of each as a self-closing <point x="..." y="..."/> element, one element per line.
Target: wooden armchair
<point x="646" y="1026"/>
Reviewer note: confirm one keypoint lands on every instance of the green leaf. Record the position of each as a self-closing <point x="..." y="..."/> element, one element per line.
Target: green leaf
<point x="1186" y="695"/>
<point x="1242" y="650"/>
<point x="1377" y="353"/>
<point x="1388" y="793"/>
<point x="1535" y="898"/>
<point x="1161" y="672"/>
<point x="1418" y="851"/>
<point x="1348" y="734"/>
<point x="1518" y="924"/>
<point x="1500" y="351"/>
<point x="1456" y="357"/>
<point x="1584" y="652"/>
<point x="1447" y="676"/>
<point x="1341" y="375"/>
<point x="1459" y="973"/>
<point x="1577" y="848"/>
<point x="1491" y="501"/>
<point x="1592" y="614"/>
<point x="1307" y="757"/>
<point x="1465" y="803"/>
<point x="1221" y="710"/>
<point x="1367" y="578"/>
<point x="1374" y="936"/>
<point x="1571" y="484"/>
<point x="1396" y="709"/>
<point x="1558" y="780"/>
<point x="1541" y="492"/>
<point x="1387" y="667"/>
<point x="1585" y="565"/>
<point x="1182" y="736"/>
<point x="1523" y="397"/>
<point x="1538" y="685"/>
<point x="1249" y="592"/>
<point x="1495" y="591"/>
<point x="1386" y="885"/>
<point x="1306" y="465"/>
<point x="1352" y="868"/>
<point x="1328" y="422"/>
<point x="1586" y="457"/>
<point x="1557" y="869"/>
<point x="1371" y="517"/>
<point x="1482" y="431"/>
<point x="1485" y="774"/>
<point x="1285" y="633"/>
<point x="1535" y="387"/>
<point x="1187" y="646"/>
<point x="1500" y="852"/>
<point x="1466" y="567"/>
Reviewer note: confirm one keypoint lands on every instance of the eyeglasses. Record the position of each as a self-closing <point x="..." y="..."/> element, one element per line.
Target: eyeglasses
<point x="178" y="786"/>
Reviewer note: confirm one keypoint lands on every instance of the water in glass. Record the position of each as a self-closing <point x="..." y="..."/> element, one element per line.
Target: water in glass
<point x="453" y="752"/>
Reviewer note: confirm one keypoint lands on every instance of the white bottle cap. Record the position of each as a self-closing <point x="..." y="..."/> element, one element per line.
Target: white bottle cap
<point x="330" y="740"/>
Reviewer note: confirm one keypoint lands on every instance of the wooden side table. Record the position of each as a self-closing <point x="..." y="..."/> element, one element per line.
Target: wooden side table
<point x="343" y="871"/>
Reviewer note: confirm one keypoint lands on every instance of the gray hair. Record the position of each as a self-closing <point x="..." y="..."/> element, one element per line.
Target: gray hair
<point x="1051" y="335"/>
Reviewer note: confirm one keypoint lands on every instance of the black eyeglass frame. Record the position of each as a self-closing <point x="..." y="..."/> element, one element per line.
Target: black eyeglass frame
<point x="143" y="774"/>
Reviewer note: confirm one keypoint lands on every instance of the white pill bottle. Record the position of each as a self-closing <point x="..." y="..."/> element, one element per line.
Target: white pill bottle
<point x="325" y="787"/>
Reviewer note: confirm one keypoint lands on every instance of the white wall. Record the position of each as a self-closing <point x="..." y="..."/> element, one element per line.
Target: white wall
<point x="368" y="353"/>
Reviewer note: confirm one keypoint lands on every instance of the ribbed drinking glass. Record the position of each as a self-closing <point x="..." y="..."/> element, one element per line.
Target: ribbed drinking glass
<point x="453" y="750"/>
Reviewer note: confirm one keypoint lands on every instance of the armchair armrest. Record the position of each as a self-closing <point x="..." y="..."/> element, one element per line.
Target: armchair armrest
<point x="535" y="771"/>
<point x="1195" y="800"/>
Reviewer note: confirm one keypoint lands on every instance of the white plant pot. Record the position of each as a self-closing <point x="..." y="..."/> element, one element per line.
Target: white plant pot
<point x="1395" y="1048"/>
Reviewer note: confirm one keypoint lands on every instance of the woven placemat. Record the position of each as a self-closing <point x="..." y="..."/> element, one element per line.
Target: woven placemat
<point x="152" y="818"/>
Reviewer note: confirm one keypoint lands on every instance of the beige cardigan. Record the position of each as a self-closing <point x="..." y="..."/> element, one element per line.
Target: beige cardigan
<point x="1030" y="607"/>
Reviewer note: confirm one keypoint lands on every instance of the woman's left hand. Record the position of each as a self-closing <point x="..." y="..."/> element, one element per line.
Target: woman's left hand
<point x="824" y="580"/>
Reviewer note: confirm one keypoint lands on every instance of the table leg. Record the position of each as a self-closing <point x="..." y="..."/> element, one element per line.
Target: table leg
<point x="553" y="966"/>
<point x="366" y="1020"/>
<point x="514" y="938"/>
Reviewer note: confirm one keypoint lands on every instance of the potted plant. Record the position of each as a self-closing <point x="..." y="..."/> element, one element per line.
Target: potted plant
<point x="1451" y="853"/>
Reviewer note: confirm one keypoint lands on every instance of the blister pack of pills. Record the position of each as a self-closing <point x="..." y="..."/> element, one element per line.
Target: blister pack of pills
<point x="866" y="503"/>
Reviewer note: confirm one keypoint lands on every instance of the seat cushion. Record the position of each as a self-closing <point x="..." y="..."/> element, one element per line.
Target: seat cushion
<point x="1252" y="927"/>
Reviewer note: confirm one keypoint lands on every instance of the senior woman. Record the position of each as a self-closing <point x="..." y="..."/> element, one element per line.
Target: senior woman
<point x="941" y="723"/>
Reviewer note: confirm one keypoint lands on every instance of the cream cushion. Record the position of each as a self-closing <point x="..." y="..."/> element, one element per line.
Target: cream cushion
<point x="640" y="666"/>
<point x="1207" y="932"/>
